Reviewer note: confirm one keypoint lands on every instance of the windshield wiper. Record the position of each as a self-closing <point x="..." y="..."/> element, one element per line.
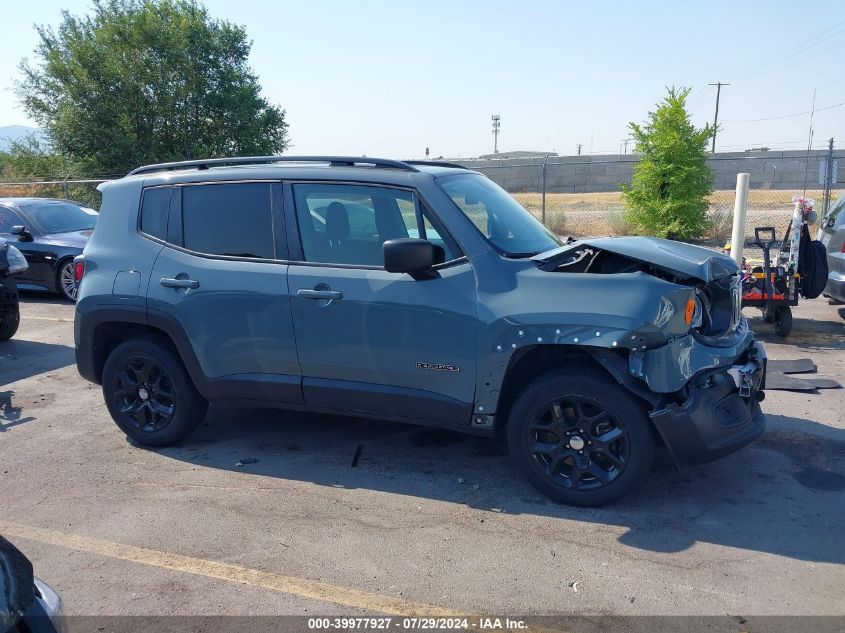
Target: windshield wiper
<point x="521" y="255"/>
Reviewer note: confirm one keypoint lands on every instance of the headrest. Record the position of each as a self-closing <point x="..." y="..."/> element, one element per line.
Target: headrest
<point x="337" y="221"/>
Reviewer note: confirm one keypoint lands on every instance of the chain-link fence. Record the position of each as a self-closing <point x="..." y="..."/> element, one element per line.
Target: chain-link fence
<point x="82" y="190"/>
<point x="582" y="196"/>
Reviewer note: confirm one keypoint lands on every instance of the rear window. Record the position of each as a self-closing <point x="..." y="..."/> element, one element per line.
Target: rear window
<point x="232" y="219"/>
<point x="154" y="208"/>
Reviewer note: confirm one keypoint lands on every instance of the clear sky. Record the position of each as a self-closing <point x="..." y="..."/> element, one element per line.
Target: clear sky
<point x="390" y="78"/>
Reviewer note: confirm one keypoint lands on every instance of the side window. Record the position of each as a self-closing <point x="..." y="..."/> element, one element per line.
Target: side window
<point x="154" y="206"/>
<point x="347" y="224"/>
<point x="228" y="219"/>
<point x="8" y="219"/>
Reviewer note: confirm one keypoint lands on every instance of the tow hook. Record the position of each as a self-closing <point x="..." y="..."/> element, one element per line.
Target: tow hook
<point x="743" y="378"/>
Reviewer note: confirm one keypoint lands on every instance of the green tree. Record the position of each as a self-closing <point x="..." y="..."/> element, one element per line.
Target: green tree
<point x="32" y="160"/>
<point x="143" y="81"/>
<point x="667" y="196"/>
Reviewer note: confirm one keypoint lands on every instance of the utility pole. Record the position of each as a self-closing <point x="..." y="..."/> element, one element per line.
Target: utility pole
<point x="718" y="85"/>
<point x="497" y="123"/>
<point x="578" y="149"/>
<point x="624" y="142"/>
<point x="828" y="179"/>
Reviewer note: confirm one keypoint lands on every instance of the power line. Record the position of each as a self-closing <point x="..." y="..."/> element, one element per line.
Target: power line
<point x="786" y="116"/>
<point x="814" y="40"/>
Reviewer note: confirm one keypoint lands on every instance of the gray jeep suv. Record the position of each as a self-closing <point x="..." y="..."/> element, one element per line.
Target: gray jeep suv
<point x="416" y="292"/>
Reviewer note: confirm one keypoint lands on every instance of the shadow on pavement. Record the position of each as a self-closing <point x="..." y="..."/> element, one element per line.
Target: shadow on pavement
<point x="806" y="333"/>
<point x="784" y="494"/>
<point x="21" y="359"/>
<point x="11" y="415"/>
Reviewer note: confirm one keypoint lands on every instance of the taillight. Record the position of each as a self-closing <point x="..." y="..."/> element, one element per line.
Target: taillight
<point x="843" y="248"/>
<point x="78" y="271"/>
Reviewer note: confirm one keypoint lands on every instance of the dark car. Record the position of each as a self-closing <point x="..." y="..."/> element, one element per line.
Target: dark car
<point x="12" y="262"/>
<point x="50" y="233"/>
<point x="27" y="604"/>
<point x="417" y="292"/>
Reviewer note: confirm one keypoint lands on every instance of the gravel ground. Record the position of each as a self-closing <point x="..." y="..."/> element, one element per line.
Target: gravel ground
<point x="426" y="518"/>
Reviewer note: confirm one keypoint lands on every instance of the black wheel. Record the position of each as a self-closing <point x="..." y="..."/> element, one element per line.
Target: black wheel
<point x="580" y="438"/>
<point x="9" y="324"/>
<point x="783" y="321"/>
<point x="768" y="315"/>
<point x="149" y="393"/>
<point x="65" y="283"/>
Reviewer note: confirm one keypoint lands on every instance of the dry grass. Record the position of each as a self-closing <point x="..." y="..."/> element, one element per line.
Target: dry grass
<point x="602" y="213"/>
<point x="613" y="199"/>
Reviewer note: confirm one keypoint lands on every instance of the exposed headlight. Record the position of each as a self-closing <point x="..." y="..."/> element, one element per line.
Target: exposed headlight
<point x="694" y="314"/>
<point x="15" y="260"/>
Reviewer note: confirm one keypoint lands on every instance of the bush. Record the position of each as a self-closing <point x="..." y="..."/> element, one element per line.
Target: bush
<point x="556" y="221"/>
<point x="720" y="224"/>
<point x="667" y="196"/>
<point x="618" y="224"/>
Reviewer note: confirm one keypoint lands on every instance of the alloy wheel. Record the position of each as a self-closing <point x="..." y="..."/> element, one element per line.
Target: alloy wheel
<point x="67" y="282"/>
<point x="144" y="392"/>
<point x="576" y="443"/>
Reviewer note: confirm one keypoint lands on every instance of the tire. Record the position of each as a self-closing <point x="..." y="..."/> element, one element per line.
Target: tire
<point x="149" y="393"/>
<point x="617" y="441"/>
<point x="768" y="315"/>
<point x="9" y="324"/>
<point x="65" y="285"/>
<point x="783" y="321"/>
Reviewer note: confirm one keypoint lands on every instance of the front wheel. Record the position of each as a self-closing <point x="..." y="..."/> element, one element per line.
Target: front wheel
<point x="580" y="438"/>
<point x="9" y="324"/>
<point x="149" y="393"/>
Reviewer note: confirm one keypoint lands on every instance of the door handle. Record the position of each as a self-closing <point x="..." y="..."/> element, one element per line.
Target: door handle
<point x="331" y="295"/>
<point x="170" y="282"/>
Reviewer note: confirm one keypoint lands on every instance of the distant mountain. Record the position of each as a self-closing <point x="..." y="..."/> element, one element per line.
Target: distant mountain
<point x="11" y="133"/>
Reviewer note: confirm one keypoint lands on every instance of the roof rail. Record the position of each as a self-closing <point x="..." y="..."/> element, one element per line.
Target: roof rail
<point x="333" y="161"/>
<point x="434" y="163"/>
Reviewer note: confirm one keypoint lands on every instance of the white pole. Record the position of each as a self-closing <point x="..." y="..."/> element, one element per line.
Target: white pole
<point x="738" y="234"/>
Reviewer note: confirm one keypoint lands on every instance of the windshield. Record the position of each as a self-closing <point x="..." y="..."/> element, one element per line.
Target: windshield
<point x="500" y="218"/>
<point x="61" y="217"/>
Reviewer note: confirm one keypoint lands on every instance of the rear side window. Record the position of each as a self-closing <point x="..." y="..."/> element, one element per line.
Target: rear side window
<point x="154" y="208"/>
<point x="228" y="219"/>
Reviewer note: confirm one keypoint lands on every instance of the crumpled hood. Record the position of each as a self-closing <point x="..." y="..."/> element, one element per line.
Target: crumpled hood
<point x="684" y="260"/>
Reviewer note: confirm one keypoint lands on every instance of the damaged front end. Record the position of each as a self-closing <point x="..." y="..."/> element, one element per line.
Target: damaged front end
<point x="705" y="375"/>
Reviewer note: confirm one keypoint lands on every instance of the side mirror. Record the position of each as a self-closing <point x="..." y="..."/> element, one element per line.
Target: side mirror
<point x="22" y="233"/>
<point x="409" y="255"/>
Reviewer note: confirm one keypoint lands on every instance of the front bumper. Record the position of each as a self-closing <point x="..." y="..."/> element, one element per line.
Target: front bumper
<point x="715" y="419"/>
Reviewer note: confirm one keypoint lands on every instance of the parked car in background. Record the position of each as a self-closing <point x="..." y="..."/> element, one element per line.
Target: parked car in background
<point x="50" y="233"/>
<point x="833" y="238"/>
<point x="12" y="262"/>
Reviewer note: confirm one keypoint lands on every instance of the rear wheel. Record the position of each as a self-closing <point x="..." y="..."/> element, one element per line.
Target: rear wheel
<point x="580" y="438"/>
<point x="149" y="393"/>
<point x="9" y="324"/>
